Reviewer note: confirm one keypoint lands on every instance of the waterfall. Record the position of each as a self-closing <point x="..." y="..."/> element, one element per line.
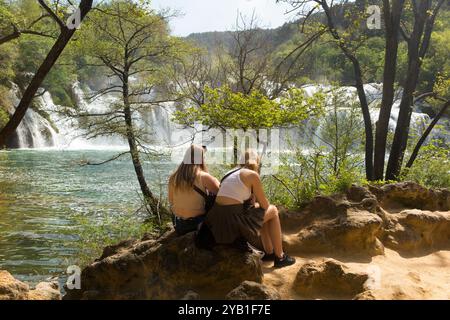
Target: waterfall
<point x="61" y="132"/>
<point x="34" y="131"/>
<point x="70" y="136"/>
<point x="419" y="120"/>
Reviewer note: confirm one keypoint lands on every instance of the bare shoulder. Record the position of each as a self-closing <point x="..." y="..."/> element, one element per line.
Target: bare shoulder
<point x="248" y="175"/>
<point x="205" y="176"/>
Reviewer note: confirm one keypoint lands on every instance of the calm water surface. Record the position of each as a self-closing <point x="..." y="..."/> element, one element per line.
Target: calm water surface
<point x="43" y="192"/>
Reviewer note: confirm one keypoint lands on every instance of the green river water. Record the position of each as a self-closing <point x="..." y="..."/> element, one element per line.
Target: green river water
<point x="42" y="192"/>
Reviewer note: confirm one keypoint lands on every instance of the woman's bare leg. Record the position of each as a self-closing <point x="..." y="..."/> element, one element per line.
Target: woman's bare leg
<point x="265" y="238"/>
<point x="272" y="220"/>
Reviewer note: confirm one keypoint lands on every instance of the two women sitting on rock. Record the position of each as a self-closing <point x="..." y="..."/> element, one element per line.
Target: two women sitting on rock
<point x="240" y="211"/>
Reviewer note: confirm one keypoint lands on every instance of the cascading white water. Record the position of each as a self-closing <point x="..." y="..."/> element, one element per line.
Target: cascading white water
<point x="419" y="120"/>
<point x="70" y="136"/>
<point x="34" y="131"/>
<point x="37" y="132"/>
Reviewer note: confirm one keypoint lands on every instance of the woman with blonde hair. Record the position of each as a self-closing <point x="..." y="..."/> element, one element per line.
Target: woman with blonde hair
<point x="189" y="187"/>
<point x="242" y="210"/>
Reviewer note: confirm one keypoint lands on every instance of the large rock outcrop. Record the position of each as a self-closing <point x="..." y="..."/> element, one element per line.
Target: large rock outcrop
<point x="410" y="195"/>
<point x="334" y="225"/>
<point x="13" y="289"/>
<point x="403" y="216"/>
<point x="414" y="231"/>
<point x="167" y="268"/>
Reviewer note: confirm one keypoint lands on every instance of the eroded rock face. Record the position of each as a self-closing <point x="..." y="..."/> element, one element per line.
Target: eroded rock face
<point x="334" y="225"/>
<point x="167" y="268"/>
<point x="410" y="195"/>
<point x="366" y="295"/>
<point x="403" y="216"/>
<point x="329" y="279"/>
<point x="414" y="231"/>
<point x="249" y="290"/>
<point x="13" y="289"/>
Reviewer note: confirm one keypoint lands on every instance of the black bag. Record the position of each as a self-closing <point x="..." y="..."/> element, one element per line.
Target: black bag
<point x="204" y="239"/>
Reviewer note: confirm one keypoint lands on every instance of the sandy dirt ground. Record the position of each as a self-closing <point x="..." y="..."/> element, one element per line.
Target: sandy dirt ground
<point x="391" y="275"/>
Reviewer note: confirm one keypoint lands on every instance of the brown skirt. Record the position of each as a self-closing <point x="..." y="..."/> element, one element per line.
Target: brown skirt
<point x="231" y="222"/>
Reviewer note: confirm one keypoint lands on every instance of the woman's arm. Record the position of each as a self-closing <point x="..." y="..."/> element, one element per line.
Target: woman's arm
<point x="210" y="182"/>
<point x="258" y="190"/>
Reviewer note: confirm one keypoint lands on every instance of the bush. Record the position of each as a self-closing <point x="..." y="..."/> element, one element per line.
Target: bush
<point x="328" y="161"/>
<point x="101" y="231"/>
<point x="303" y="175"/>
<point x="431" y="168"/>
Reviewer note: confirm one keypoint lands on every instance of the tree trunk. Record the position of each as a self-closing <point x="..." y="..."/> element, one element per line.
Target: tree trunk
<point x="392" y="25"/>
<point x="28" y="96"/>
<point x="149" y="198"/>
<point x="416" y="52"/>
<point x="424" y="136"/>
<point x="367" y="120"/>
<point x="359" y="84"/>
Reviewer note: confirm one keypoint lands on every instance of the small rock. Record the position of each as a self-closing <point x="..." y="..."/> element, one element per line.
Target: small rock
<point x="249" y="290"/>
<point x="12" y="289"/>
<point x="366" y="295"/>
<point x="191" y="295"/>
<point x="329" y="279"/>
<point x="45" y="291"/>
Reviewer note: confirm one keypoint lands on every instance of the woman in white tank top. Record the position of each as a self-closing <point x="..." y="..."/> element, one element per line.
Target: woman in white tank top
<point x="243" y="211"/>
<point x="233" y="187"/>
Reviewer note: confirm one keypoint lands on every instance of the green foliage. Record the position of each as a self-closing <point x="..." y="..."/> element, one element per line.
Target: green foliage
<point x="227" y="109"/>
<point x="298" y="180"/>
<point x="22" y="57"/>
<point x="4" y="103"/>
<point x="6" y="17"/>
<point x="328" y="161"/>
<point x="431" y="168"/>
<point x="94" y="237"/>
<point x="8" y="54"/>
<point x="437" y="61"/>
<point x="4" y="117"/>
<point x="303" y="175"/>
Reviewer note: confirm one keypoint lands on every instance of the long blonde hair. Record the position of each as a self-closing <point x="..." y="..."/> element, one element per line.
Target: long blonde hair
<point x="194" y="161"/>
<point x="251" y="160"/>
